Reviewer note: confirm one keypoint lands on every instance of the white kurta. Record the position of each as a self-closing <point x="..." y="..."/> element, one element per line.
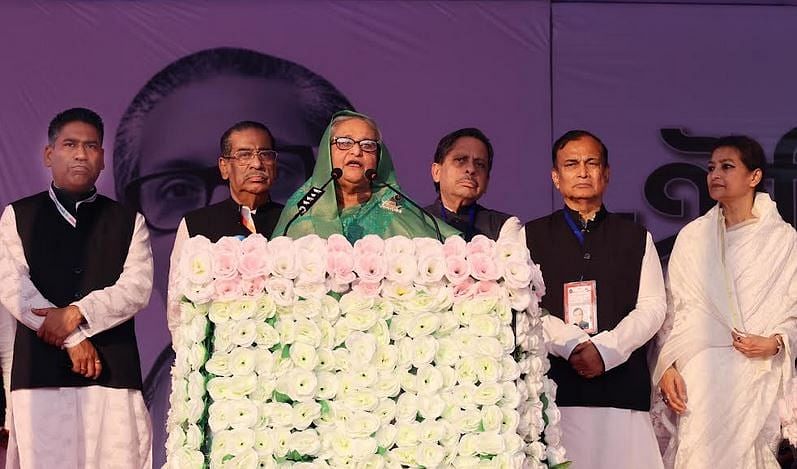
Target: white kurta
<point x="86" y="427"/>
<point x="603" y="437"/>
<point x="744" y="278"/>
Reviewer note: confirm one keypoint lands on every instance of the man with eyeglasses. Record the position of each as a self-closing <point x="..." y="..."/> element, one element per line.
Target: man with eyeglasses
<point x="76" y="267"/>
<point x="461" y="171"/>
<point x="248" y="162"/>
<point x="597" y="261"/>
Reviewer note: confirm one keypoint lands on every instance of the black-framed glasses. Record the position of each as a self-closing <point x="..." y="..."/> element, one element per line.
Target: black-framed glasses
<point x="245" y="157"/>
<point x="165" y="197"/>
<point x="346" y="143"/>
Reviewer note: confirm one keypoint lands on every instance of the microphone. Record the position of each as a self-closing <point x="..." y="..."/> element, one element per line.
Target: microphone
<point x="311" y="197"/>
<point x="370" y="174"/>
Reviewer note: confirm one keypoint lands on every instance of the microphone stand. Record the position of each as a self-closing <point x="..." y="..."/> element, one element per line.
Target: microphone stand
<point x="311" y="197"/>
<point x="370" y="174"/>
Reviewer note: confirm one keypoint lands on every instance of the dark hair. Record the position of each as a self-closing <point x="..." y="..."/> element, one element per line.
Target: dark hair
<point x="75" y="114"/>
<point x="317" y="97"/>
<point x="750" y="152"/>
<point x="572" y="135"/>
<point x="449" y="140"/>
<point x="224" y="143"/>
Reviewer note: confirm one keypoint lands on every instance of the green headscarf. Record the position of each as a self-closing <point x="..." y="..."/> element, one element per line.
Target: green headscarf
<point x="384" y="214"/>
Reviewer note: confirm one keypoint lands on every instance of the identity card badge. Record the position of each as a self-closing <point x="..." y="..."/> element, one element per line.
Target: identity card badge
<point x="581" y="305"/>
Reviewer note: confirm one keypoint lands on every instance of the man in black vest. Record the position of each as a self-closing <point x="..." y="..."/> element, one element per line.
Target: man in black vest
<point x="76" y="267"/>
<point x="461" y="172"/>
<point x="607" y="267"/>
<point x="248" y="162"/>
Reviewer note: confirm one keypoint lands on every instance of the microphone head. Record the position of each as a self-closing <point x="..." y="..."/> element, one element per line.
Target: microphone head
<point x="370" y="174"/>
<point x="336" y="173"/>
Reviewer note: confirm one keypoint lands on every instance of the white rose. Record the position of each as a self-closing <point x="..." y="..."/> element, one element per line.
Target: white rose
<point x="424" y="324"/>
<point x="218" y="365"/>
<point x="398" y="293"/>
<point x="310" y="291"/>
<point x="286" y="328"/>
<point x="463" y="394"/>
<point x="406" y="408"/>
<point x="330" y="310"/>
<point x="409" y="381"/>
<point x="196" y="385"/>
<point x="386" y="435"/>
<point x="197" y="355"/>
<point x="362" y="424"/>
<point x="519" y="298"/>
<point x="266" y="307"/>
<point x="488" y="393"/>
<point x="424" y="350"/>
<point x="405" y="455"/>
<point x="175" y="440"/>
<point x="301" y="384"/>
<point x="488" y="346"/>
<point x="185" y="457"/>
<point x="510" y="371"/>
<point x="222" y="337"/>
<point x="429" y="380"/>
<point x="342" y="359"/>
<point x="306" y="331"/>
<point x="381" y="332"/>
<point x="280" y="414"/>
<point x="448" y="323"/>
<point x="407" y="433"/>
<point x="242" y="361"/>
<point x="361" y="347"/>
<point x="264" y="444"/>
<point x="307" y="308"/>
<point x="467" y="372"/>
<point x="327" y="385"/>
<point x="487" y="369"/>
<point x="363" y="447"/>
<point x="429" y="454"/>
<point x="265" y="335"/>
<point x="363" y="399"/>
<point x="360" y="319"/>
<point x="490" y="443"/>
<point x="303" y="356"/>
<point x="385" y="358"/>
<point x="189" y="311"/>
<point x="468" y="445"/>
<point x="512" y="442"/>
<point x="484" y="325"/>
<point x="556" y="455"/>
<point x="388" y="385"/>
<point x="341" y="444"/>
<point x="281" y="438"/>
<point x="492" y="417"/>
<point x="265" y="387"/>
<point x="430" y="269"/>
<point x="536" y="450"/>
<point x="244" y="333"/>
<point x="243" y="413"/>
<point x="386" y="411"/>
<point x="219" y="415"/>
<point x="447" y="351"/>
<point x="193" y="437"/>
<point x="509" y="420"/>
<point x="469" y="420"/>
<point x="510" y="397"/>
<point x="401" y="268"/>
<point x="280" y="290"/>
<point x="241" y="386"/>
<point x="195" y="330"/>
<point x="399" y="325"/>
<point x="449" y="376"/>
<point x="365" y="377"/>
<point x="326" y="359"/>
<point x="306" y="442"/>
<point x="304" y="413"/>
<point x="431" y="407"/>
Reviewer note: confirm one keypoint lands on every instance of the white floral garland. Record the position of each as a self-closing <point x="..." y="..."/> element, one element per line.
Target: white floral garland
<point x="387" y="353"/>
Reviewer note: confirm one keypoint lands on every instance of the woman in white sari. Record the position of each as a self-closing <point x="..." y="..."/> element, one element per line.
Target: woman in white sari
<point x="726" y="346"/>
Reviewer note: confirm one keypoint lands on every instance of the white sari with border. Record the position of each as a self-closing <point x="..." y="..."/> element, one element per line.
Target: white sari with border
<point x="719" y="279"/>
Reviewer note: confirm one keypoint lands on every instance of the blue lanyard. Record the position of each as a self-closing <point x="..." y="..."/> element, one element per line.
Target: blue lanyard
<point x="575" y="229"/>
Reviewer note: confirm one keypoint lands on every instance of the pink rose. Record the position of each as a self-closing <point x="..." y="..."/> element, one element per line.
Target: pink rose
<point x="464" y="290"/>
<point x="486" y="289"/>
<point x="457" y="269"/>
<point x="370" y="268"/>
<point x="339" y="243"/>
<point x="455" y="246"/>
<point x="228" y="288"/>
<point x="254" y="243"/>
<point x="366" y="289"/>
<point x="230" y="244"/>
<point x="280" y="290"/>
<point x="483" y="267"/>
<point x="340" y="266"/>
<point x="253" y="286"/>
<point x="369" y="245"/>
<point x="254" y="264"/>
<point x="225" y="263"/>
<point x="481" y="244"/>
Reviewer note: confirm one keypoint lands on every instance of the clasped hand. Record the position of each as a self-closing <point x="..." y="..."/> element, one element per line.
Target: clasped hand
<point x="586" y="360"/>
<point x="755" y="346"/>
<point x="58" y="323"/>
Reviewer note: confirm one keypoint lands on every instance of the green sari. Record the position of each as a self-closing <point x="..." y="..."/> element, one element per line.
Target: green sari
<point x="385" y="214"/>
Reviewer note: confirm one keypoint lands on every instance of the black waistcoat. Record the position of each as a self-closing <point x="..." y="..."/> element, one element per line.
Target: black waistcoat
<point x="224" y="219"/>
<point x="612" y="256"/>
<point x="66" y="263"/>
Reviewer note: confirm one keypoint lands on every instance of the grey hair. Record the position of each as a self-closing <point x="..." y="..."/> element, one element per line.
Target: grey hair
<point x="371" y="123"/>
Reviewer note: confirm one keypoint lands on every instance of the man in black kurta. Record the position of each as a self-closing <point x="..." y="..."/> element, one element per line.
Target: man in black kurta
<point x="598" y="356"/>
<point x="76" y="267"/>
<point x="461" y="173"/>
<point x="249" y="162"/>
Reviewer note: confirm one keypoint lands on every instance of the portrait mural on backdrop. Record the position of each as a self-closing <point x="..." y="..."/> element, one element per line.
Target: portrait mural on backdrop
<point x="781" y="174"/>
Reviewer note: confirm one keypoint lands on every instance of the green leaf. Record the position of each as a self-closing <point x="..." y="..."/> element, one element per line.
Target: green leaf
<point x="481" y="427"/>
<point x="294" y="455"/>
<point x="324" y="407"/>
<point x="275" y="347"/>
<point x="271" y="321"/>
<point x="381" y="450"/>
<point x="419" y="417"/>
<point x="227" y="457"/>
<point x="563" y="465"/>
<point x="279" y="397"/>
<point x="286" y="351"/>
<point x="486" y="457"/>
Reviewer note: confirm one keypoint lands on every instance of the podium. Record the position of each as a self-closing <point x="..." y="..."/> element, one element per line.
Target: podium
<point x="386" y="353"/>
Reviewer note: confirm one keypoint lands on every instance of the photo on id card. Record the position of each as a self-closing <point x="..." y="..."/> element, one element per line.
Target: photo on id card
<point x="581" y="305"/>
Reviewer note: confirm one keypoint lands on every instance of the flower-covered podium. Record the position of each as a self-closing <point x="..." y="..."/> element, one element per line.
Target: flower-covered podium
<point x="388" y="353"/>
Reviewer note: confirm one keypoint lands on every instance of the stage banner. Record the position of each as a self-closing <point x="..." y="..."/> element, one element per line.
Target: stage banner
<point x="386" y="353"/>
<point x="658" y="82"/>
